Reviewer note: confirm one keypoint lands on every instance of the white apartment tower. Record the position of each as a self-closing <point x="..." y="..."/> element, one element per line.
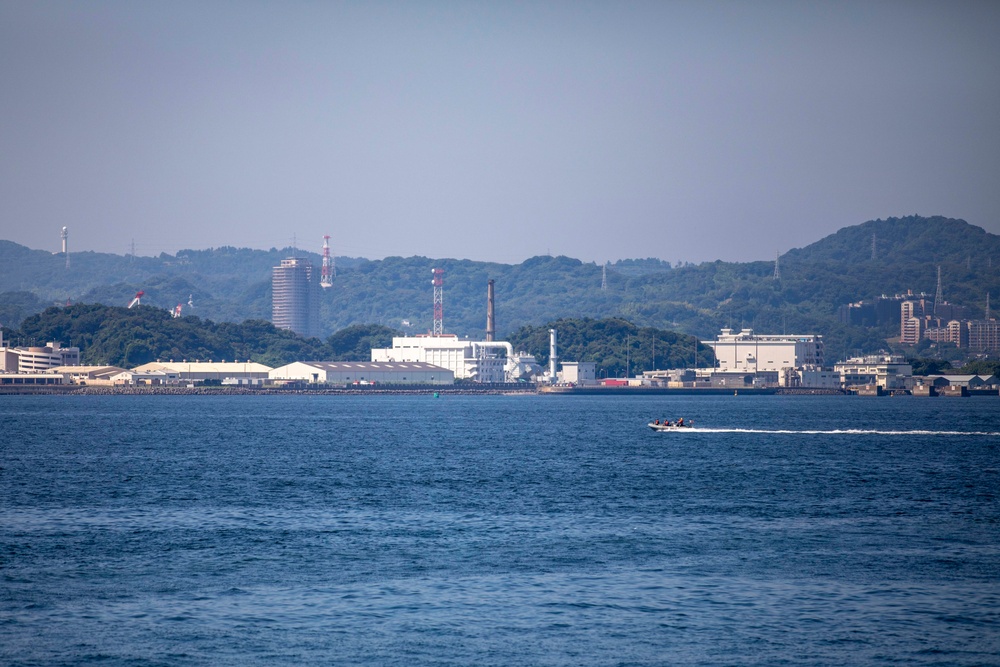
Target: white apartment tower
<point x="295" y="297"/>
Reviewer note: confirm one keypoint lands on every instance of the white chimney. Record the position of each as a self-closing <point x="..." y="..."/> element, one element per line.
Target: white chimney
<point x="552" y="356"/>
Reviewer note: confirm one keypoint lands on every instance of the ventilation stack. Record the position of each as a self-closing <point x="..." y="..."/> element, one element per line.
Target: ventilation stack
<point x="552" y="356"/>
<point x="65" y="244"/>
<point x="490" y="322"/>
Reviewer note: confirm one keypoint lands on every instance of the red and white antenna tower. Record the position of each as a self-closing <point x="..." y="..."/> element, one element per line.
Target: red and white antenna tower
<point x="137" y="300"/>
<point x="177" y="311"/>
<point x="438" y="283"/>
<point x="329" y="270"/>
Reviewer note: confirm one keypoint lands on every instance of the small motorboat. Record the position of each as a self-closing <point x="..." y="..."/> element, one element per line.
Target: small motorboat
<point x="673" y="426"/>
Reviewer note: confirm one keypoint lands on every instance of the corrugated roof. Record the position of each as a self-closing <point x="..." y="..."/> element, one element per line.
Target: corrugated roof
<point x="373" y="366"/>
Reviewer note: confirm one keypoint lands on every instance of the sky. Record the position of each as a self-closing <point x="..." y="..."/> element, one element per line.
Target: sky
<point x="496" y="131"/>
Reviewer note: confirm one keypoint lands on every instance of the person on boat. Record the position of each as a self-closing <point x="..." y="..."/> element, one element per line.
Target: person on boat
<point x="666" y="422"/>
<point x="656" y="423"/>
<point x="680" y="422"/>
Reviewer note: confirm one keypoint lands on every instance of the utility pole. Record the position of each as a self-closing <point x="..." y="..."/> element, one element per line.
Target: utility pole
<point x="628" y="341"/>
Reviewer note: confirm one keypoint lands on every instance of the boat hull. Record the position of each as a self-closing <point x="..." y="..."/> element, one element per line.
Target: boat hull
<point x="671" y="427"/>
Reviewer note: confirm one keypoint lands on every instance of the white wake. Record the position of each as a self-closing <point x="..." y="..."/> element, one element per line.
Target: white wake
<point x="845" y="431"/>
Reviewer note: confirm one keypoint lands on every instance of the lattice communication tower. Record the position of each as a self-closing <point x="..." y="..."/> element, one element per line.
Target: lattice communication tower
<point x="438" y="283"/>
<point x="939" y="294"/>
<point x="328" y="271"/>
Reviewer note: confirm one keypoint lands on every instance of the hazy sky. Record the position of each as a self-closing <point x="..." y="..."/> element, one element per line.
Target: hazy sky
<point x="493" y="130"/>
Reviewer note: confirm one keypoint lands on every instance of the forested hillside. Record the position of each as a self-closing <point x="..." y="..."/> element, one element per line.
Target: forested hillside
<point x="233" y="285"/>
<point x="130" y="337"/>
<point x="133" y="336"/>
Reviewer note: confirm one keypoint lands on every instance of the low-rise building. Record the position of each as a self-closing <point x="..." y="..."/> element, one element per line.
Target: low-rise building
<point x="967" y="381"/>
<point x="578" y="372"/>
<point x="97" y="375"/>
<point x="146" y="377"/>
<point x="813" y="377"/>
<point x="884" y="370"/>
<point x="31" y="379"/>
<point x="200" y="371"/>
<point x="363" y="372"/>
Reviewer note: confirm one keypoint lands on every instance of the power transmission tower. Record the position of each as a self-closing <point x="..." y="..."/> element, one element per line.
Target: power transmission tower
<point x="939" y="294"/>
<point x="604" y="277"/>
<point x="873" y="246"/>
<point x="777" y="269"/>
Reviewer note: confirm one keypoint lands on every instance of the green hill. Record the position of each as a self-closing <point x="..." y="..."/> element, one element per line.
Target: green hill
<point x="233" y="285"/>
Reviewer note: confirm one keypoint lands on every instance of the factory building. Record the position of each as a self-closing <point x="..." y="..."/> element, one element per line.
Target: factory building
<point x="885" y="370"/>
<point x="295" y="297"/>
<point x="362" y="373"/>
<point x="747" y="352"/>
<point x="579" y="373"/>
<point x="199" y="371"/>
<point x="96" y="375"/>
<point x="480" y="361"/>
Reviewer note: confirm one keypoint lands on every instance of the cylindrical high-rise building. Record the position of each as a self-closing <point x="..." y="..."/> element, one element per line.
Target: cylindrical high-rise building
<point x="295" y="297"/>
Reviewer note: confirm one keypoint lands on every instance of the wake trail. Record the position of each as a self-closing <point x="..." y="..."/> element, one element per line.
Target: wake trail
<point x="846" y="431"/>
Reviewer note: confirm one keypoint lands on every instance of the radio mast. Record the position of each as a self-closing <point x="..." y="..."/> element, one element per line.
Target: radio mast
<point x="329" y="270"/>
<point x="438" y="283"/>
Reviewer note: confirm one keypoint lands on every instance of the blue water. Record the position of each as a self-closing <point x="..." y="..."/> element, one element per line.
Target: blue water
<point x="498" y="530"/>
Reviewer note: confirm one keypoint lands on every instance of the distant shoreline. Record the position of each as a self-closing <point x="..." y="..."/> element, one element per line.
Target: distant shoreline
<point x="91" y="390"/>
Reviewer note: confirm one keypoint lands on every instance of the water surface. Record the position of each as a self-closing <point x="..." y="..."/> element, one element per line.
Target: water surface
<point x="507" y="530"/>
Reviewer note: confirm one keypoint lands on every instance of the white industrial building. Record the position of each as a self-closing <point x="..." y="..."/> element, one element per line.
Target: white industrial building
<point x="147" y="377"/>
<point x="36" y="359"/>
<point x="363" y="372"/>
<point x="481" y="361"/>
<point x="199" y="371"/>
<point x="579" y="372"/>
<point x="885" y="370"/>
<point x="749" y="352"/>
<point x="96" y="375"/>
<point x="31" y="379"/>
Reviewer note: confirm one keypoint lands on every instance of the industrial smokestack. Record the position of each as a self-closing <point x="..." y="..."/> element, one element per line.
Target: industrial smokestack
<point x="491" y="329"/>
<point x="552" y="356"/>
<point x="65" y="245"/>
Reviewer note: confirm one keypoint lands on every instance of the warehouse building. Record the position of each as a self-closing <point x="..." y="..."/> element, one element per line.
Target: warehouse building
<point x="96" y="375"/>
<point x="362" y="372"/>
<point x="200" y="371"/>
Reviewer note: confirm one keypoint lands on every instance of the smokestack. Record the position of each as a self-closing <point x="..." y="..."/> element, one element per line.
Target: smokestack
<point x="65" y="246"/>
<point x="491" y="329"/>
<point x="552" y="356"/>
